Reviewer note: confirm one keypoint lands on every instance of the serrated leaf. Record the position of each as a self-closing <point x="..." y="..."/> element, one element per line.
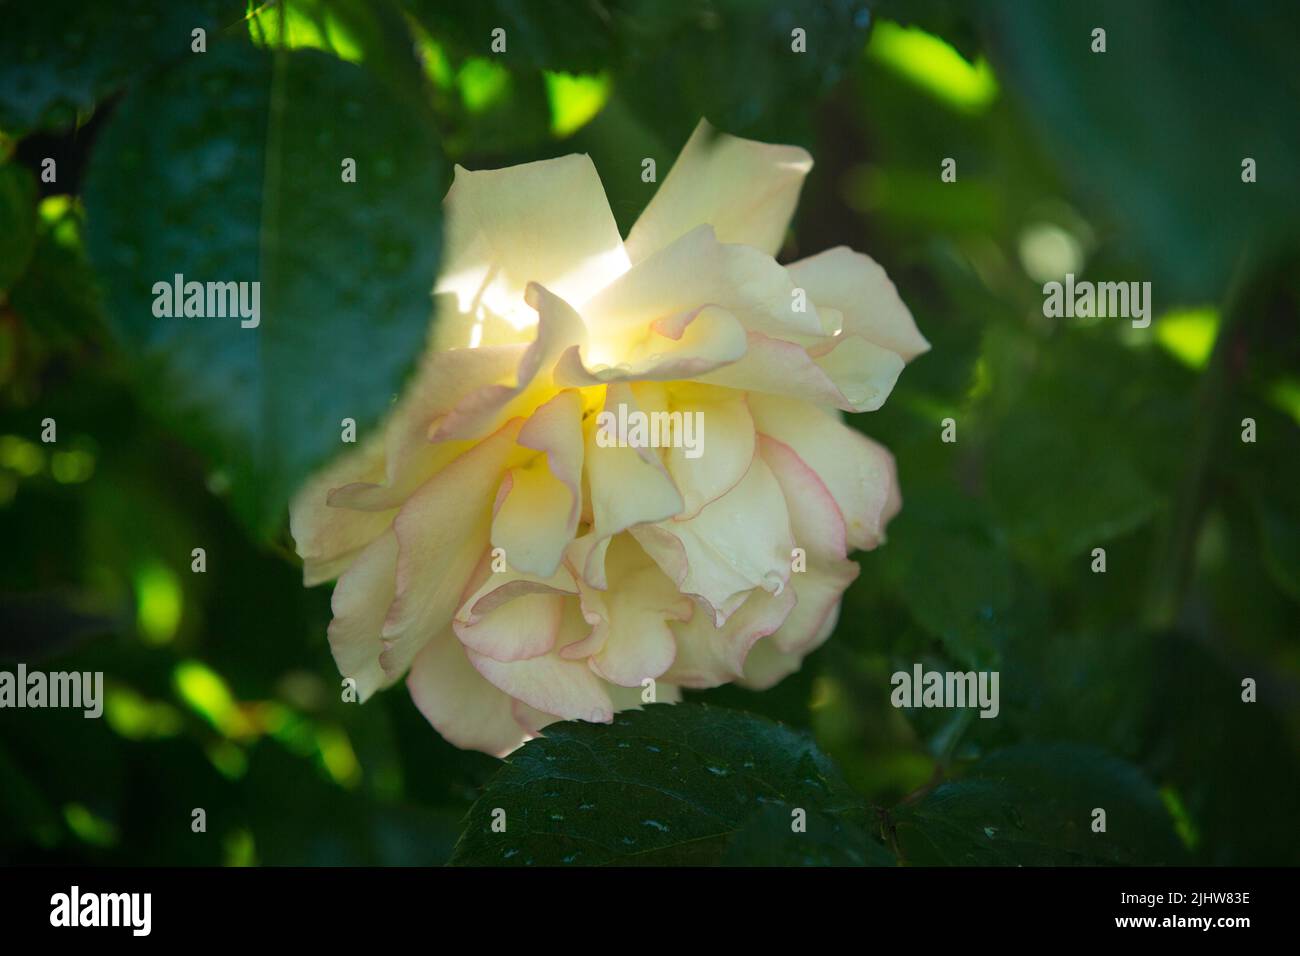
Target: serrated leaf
<point x="1033" y="805"/>
<point x="228" y="169"/>
<point x="681" y="784"/>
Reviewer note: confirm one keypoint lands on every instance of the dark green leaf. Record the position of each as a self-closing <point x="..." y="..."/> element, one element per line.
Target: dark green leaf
<point x="1033" y="805"/>
<point x="673" y="74"/>
<point x="571" y="35"/>
<point x="1213" y="86"/>
<point x="58" y="58"/>
<point x="666" y="785"/>
<point x="229" y="170"/>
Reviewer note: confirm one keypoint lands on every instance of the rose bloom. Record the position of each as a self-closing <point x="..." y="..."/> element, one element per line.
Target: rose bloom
<point x="517" y="570"/>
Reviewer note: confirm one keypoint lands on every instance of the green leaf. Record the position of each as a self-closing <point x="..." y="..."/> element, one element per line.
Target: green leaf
<point x="1168" y="162"/>
<point x="673" y="74"/>
<point x="766" y="839"/>
<point x="682" y="784"/>
<point x="1033" y="805"/>
<point x="957" y="583"/>
<point x="58" y="59"/>
<point x="228" y="169"/>
<point x="1063" y="475"/>
<point x="573" y="35"/>
<point x="17" y="222"/>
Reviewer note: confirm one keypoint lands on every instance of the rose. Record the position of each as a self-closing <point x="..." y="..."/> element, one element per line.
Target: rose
<point x="518" y="571"/>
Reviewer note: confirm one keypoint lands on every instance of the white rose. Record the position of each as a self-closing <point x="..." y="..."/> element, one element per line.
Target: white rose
<point x="616" y="564"/>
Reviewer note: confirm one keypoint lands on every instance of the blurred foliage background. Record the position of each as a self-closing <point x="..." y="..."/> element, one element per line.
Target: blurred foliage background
<point x="1073" y="434"/>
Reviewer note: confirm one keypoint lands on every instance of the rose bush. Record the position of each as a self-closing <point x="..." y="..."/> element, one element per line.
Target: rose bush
<point x="518" y="572"/>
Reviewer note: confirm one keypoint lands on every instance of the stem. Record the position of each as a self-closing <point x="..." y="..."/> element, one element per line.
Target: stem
<point x="1174" y="550"/>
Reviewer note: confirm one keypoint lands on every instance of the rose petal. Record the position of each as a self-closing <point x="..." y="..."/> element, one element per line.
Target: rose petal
<point x="677" y="348"/>
<point x="848" y="372"/>
<point x="745" y="189"/>
<point x="553" y="685"/>
<point x="442" y="380"/>
<point x="329" y="538"/>
<point x="693" y="271"/>
<point x="725" y="444"/>
<point x="512" y="615"/>
<point x="768" y="665"/>
<point x="442" y="532"/>
<point x="627" y="487"/>
<point x="540" y="501"/>
<point x="630" y="639"/>
<point x="531" y="524"/>
<point x="818" y="591"/>
<point x="709" y="656"/>
<point x="815" y="518"/>
<point x="858" y="472"/>
<point x="360" y="603"/>
<point x="739" y="542"/>
<point x="460" y="704"/>
<point x="546" y="222"/>
<point x="558" y="328"/>
<point x="858" y="287"/>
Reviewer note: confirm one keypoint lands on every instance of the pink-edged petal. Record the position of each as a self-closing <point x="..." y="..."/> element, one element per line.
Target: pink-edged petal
<point x="517" y="630"/>
<point x="460" y="704"/>
<point x="360" y="603"/>
<point x="442" y="533"/>
<point x="858" y="472"/>
<point x="815" y="518"/>
<point x="739" y="542"/>
<point x="510" y="614"/>
<point x="858" y="287"/>
<point x="568" y="689"/>
<point x="847" y="371"/>
<point x="586" y="559"/>
<point x="545" y="222"/>
<point x="328" y="538"/>
<point x="630" y="638"/>
<point x="818" y="591"/>
<point x="767" y="665"/>
<point x="709" y="656"/>
<point x="746" y="189"/>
